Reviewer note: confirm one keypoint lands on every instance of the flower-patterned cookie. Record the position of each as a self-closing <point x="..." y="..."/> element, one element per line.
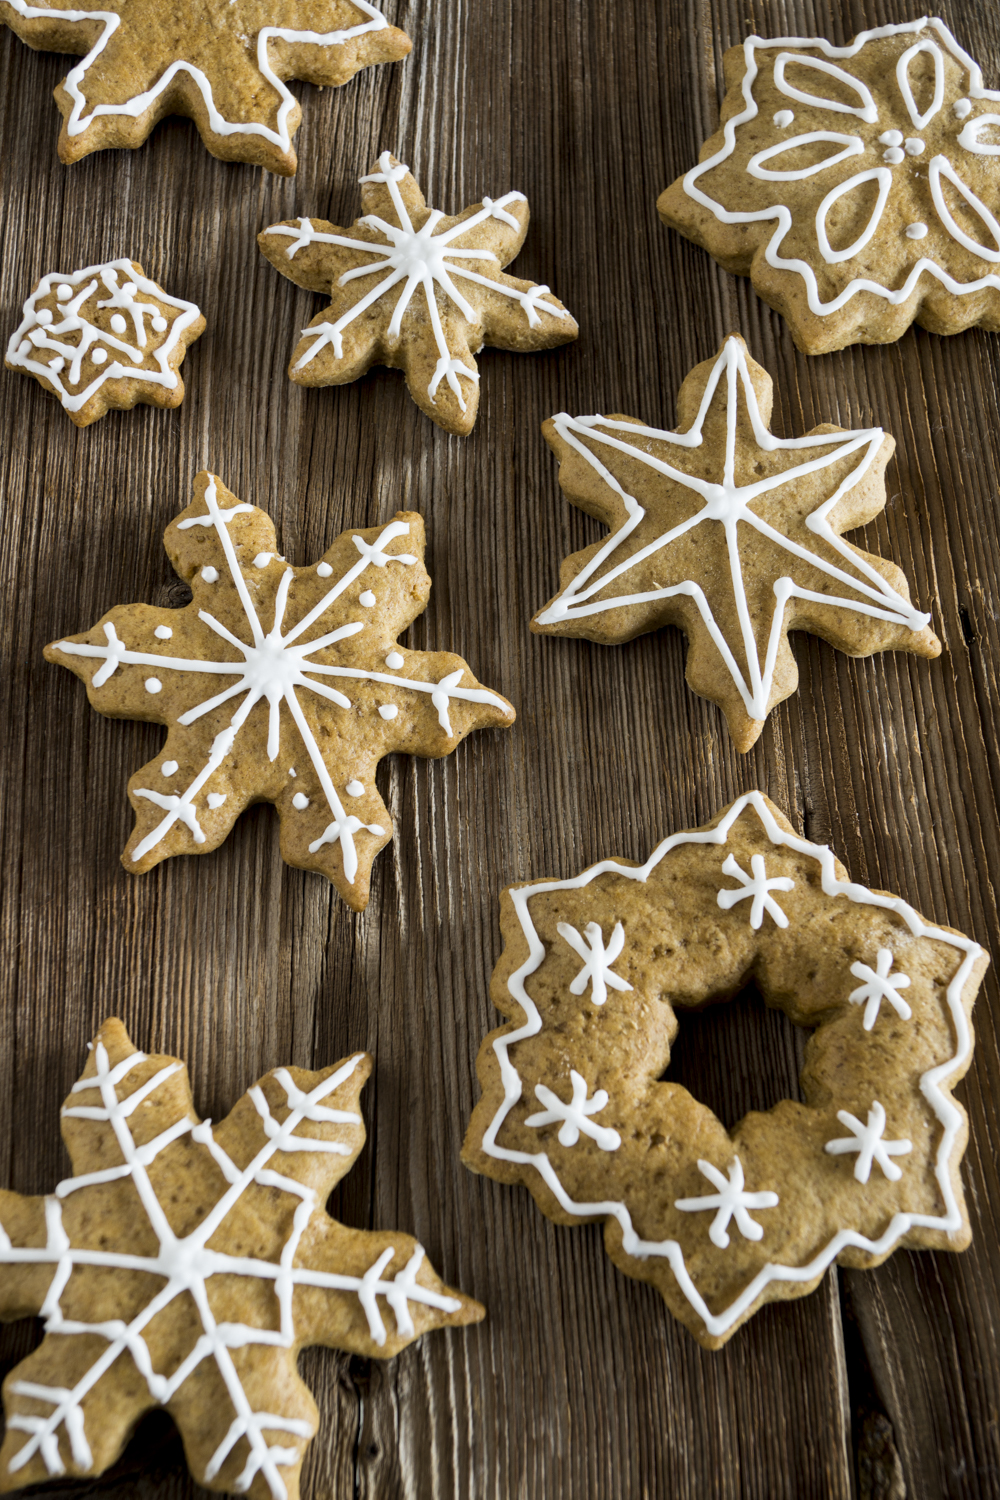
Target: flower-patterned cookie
<point x="223" y="62"/>
<point x="415" y="290"/>
<point x="105" y="337"/>
<point x="595" y="979"/>
<point x="278" y="684"/>
<point x="857" y="186"/>
<point x="186" y="1264"/>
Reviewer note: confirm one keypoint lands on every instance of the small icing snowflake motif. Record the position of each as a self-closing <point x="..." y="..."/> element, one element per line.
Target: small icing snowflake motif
<point x="374" y="272"/>
<point x="731" y="1201"/>
<point x="879" y="985"/>
<point x="867" y="1142"/>
<point x="214" y="62"/>
<point x="756" y="888"/>
<point x="597" y="959"/>
<point x="575" y="1115"/>
<point x="159" y="1192"/>
<point x="104" y="337"/>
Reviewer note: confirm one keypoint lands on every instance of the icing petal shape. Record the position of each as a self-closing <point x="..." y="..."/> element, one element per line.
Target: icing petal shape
<point x="940" y="167"/>
<point x="884" y="178"/>
<point x="867" y="109"/>
<point x="903" y="79"/>
<point x="853" y="146"/>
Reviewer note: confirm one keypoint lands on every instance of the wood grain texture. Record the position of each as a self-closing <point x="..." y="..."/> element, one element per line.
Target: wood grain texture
<point x="579" y="1385"/>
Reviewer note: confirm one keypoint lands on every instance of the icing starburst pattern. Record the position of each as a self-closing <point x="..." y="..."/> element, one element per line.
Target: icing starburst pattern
<point x="286" y="644"/>
<point x="731" y="1201"/>
<point x="868" y="1144"/>
<point x="144" y="1254"/>
<point x="218" y="63"/>
<point x="732" y="533"/>
<point x="451" y="266"/>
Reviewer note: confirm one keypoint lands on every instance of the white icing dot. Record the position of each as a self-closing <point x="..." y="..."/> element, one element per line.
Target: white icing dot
<point x="394" y="660"/>
<point x="354" y="789"/>
<point x="914" y="146"/>
<point x="159" y="324"/>
<point x="376" y="829"/>
<point x="129" y="289"/>
<point x="99" y="356"/>
<point x="324" y="570"/>
<point x="24" y="348"/>
<point x="783" y="119"/>
<point x="367" y="599"/>
<point x="210" y="574"/>
<point x="916" y="231"/>
<point x="118" y="323"/>
<point x="893" y="156"/>
<point x="216" y="799"/>
<point x="891" y="138"/>
<point x="961" y="108"/>
<point x="163" y="632"/>
<point x="153" y="684"/>
<point x="291" y="770"/>
<point x="300" y="800"/>
<point x="57" y="364"/>
<point x="388" y="710"/>
<point x="262" y="559"/>
<point x="43" y="316"/>
<point x="64" y="291"/>
<point x="169" y="767"/>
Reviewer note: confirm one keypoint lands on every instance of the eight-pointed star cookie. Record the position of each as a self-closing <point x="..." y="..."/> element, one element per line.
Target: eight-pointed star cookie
<point x="105" y="337"/>
<point x="222" y="62"/>
<point x="857" y="186"/>
<point x="278" y="684"/>
<point x="186" y="1264"/>
<point x="734" y="535"/>
<point x="416" y="290"/>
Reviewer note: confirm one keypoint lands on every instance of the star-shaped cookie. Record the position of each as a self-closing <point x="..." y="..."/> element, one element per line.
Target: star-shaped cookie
<point x="222" y="62"/>
<point x="734" y="535"/>
<point x="415" y="290"/>
<point x="278" y="684"/>
<point x="186" y="1264"/>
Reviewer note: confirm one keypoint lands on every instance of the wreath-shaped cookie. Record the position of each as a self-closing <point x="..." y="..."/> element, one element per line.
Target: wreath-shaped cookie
<point x="594" y="973"/>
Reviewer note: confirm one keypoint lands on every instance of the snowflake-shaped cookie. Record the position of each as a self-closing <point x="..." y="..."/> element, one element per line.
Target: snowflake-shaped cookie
<point x="721" y="1221"/>
<point x="415" y="290"/>
<point x="186" y="1264"/>
<point x="105" y="337"/>
<point x="278" y="684"/>
<point x="858" y="186"/>
<point x="732" y="534"/>
<point x="222" y="62"/>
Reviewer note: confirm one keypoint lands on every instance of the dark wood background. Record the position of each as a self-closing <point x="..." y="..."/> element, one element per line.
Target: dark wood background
<point x="579" y="1384"/>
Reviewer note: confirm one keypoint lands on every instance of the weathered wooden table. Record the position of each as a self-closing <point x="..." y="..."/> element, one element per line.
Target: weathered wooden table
<point x="579" y="1384"/>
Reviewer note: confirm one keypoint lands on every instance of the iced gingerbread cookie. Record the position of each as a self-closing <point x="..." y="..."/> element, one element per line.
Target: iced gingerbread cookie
<point x="415" y="290"/>
<point x="734" y="535"/>
<point x="278" y="684"/>
<point x="105" y="337"/>
<point x="222" y="62"/>
<point x="186" y="1265"/>
<point x="595" y="979"/>
<point x="857" y="186"/>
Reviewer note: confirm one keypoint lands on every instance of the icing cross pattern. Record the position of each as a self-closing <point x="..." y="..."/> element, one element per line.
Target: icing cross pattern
<point x="276" y="665"/>
<point x="575" y="1115"/>
<point x="867" y="1141"/>
<point x="954" y="124"/>
<point x="728" y="504"/>
<point x="880" y="984"/>
<point x="69" y="336"/>
<point x="756" y="889"/>
<point x="417" y="258"/>
<point x="186" y="1265"/>
<point x="732" y="1201"/>
<point x="597" y="959"/>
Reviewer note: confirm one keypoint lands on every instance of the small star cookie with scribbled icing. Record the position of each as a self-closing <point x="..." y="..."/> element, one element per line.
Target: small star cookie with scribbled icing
<point x="734" y="535"/>
<point x="105" y="337"/>
<point x="222" y="62"/>
<point x="278" y="684"/>
<point x="185" y="1265"/>
<point x="597" y="975"/>
<point x="858" y="186"/>
<point x="415" y="290"/>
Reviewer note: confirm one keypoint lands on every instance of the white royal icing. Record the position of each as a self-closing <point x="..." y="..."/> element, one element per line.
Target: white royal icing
<point x="70" y="338"/>
<point x="938" y="41"/>
<point x="756" y="889"/>
<point x="576" y="1115"/>
<point x="948" y="1115"/>
<point x="879" y="985"/>
<point x="597" y="959"/>
<point x="731" y="1202"/>
<point x="418" y="258"/>
<point x="76" y="80"/>
<point x="184" y="1266"/>
<point x="275" y="663"/>
<point x="866" y="1141"/>
<point x="729" y="503"/>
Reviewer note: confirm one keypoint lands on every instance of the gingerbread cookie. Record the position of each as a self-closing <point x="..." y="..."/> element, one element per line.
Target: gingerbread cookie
<point x="278" y="684"/>
<point x="596" y="976"/>
<point x="222" y="62"/>
<point x="857" y="186"/>
<point x="372" y="272"/>
<point x="734" y="535"/>
<point x="185" y="1265"/>
<point x="105" y="337"/>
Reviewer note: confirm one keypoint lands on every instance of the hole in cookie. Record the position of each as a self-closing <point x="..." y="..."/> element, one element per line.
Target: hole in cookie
<point x="737" y="1055"/>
